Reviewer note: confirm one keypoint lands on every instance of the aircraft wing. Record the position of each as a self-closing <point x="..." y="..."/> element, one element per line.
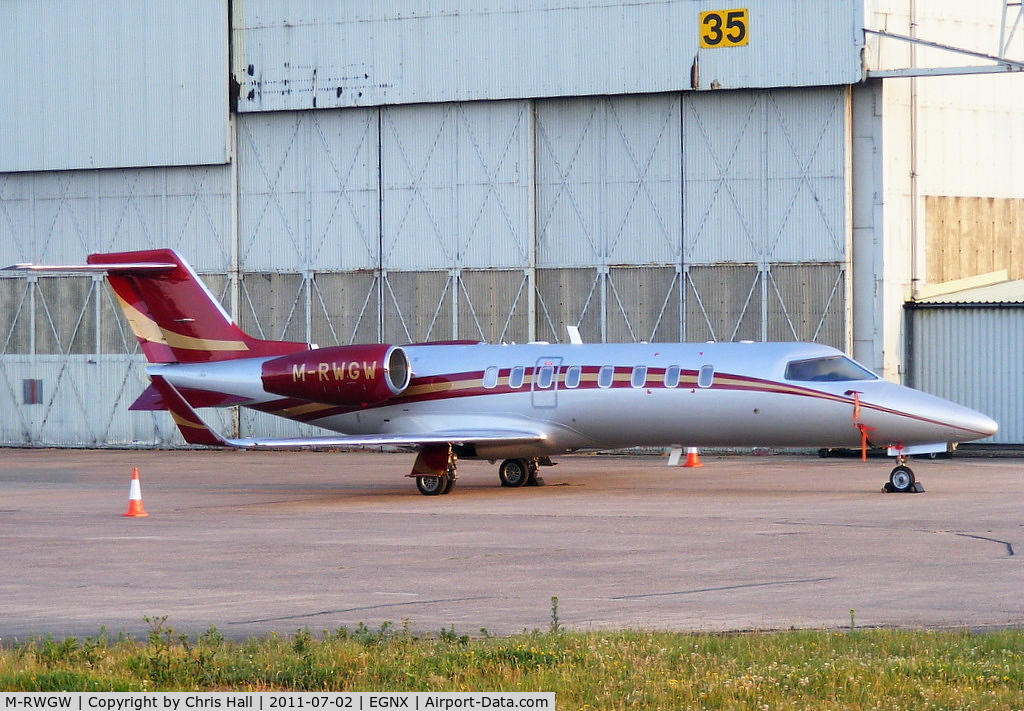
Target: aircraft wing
<point x="411" y="440"/>
<point x="195" y="431"/>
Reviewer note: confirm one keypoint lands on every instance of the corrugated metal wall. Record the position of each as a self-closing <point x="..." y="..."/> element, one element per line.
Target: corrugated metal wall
<point x="67" y="332"/>
<point x="973" y="356"/>
<point x="58" y="217"/>
<point x="667" y="217"/>
<point x="113" y="84"/>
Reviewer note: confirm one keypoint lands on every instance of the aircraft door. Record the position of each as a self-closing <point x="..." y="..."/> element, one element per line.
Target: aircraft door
<point x="544" y="386"/>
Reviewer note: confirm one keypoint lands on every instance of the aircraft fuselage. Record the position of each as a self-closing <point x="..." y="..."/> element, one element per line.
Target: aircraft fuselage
<point x="585" y="396"/>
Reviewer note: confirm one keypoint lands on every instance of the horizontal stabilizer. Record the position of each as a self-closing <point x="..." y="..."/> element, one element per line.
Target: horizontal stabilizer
<point x="132" y="267"/>
<point x="150" y="400"/>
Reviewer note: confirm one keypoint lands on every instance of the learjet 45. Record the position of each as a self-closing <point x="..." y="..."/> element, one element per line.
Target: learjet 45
<point x="521" y="403"/>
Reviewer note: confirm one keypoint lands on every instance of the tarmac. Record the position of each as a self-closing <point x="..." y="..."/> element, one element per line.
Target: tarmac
<point x="254" y="543"/>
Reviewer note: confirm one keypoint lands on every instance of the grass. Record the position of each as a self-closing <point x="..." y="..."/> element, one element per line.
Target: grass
<point x="855" y="669"/>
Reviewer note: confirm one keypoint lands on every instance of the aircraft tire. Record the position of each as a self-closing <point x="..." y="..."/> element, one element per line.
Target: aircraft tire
<point x="902" y="479"/>
<point x="514" y="473"/>
<point x="433" y="485"/>
<point x="449" y="481"/>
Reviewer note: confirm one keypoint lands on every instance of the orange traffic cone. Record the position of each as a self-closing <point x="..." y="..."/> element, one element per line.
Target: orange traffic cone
<point x="692" y="458"/>
<point x="135" y="497"/>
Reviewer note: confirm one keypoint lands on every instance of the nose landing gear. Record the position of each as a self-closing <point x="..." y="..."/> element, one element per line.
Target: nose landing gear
<point x="902" y="480"/>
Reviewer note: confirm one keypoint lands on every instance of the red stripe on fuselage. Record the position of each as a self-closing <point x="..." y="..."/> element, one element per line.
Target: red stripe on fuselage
<point x="470" y="384"/>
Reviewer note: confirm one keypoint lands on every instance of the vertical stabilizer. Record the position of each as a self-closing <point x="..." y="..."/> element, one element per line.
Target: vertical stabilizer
<point x="174" y="315"/>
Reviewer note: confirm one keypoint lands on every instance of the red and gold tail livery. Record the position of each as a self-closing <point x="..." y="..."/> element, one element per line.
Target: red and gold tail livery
<point x="174" y="315"/>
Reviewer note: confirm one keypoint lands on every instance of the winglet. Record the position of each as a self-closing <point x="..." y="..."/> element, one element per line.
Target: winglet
<point x="193" y="428"/>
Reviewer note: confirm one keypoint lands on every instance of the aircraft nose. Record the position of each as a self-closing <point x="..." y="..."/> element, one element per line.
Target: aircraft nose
<point x="929" y="418"/>
<point x="976" y="422"/>
<point x="970" y="424"/>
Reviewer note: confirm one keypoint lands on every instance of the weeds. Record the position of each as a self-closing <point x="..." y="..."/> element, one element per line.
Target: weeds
<point x="871" y="669"/>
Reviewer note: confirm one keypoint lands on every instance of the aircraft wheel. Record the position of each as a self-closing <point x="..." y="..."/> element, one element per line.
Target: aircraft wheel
<point x="433" y="485"/>
<point x="514" y="473"/>
<point x="902" y="479"/>
<point x="449" y="481"/>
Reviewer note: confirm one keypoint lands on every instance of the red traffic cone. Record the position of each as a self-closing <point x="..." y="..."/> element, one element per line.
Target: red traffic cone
<point x="692" y="458"/>
<point x="135" y="497"/>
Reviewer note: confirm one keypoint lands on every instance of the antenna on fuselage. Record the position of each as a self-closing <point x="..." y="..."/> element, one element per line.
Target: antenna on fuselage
<point x="574" y="335"/>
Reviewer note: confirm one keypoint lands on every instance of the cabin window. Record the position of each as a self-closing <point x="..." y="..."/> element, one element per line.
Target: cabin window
<point x="827" y="369"/>
<point x="572" y="376"/>
<point x="491" y="377"/>
<point x="515" y="378"/>
<point x="671" y="377"/>
<point x="605" y="376"/>
<point x="639" y="377"/>
<point x="545" y="377"/>
<point x="706" y="376"/>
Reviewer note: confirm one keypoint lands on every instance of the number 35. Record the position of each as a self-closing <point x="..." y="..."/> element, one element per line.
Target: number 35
<point x="723" y="28"/>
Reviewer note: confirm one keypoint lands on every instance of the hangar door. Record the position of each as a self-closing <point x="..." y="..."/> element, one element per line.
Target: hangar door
<point x="696" y="216"/>
<point x="674" y="217"/>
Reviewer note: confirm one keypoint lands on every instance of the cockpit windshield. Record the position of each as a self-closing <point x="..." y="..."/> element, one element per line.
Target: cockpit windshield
<point x="828" y="369"/>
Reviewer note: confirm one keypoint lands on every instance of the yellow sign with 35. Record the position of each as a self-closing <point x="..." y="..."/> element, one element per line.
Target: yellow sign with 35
<point x="724" y="28"/>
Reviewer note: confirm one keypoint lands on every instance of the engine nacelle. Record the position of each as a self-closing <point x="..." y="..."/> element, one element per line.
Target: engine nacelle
<point x="340" y="375"/>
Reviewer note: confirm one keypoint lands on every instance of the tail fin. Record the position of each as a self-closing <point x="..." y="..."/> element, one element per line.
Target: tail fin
<point x="174" y="315"/>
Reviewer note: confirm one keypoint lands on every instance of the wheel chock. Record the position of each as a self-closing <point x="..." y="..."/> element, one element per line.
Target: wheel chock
<point x="917" y="489"/>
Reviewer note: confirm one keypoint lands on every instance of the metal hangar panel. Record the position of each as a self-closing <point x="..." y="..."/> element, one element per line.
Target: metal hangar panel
<point x="114" y="84"/>
<point x="308" y="54"/>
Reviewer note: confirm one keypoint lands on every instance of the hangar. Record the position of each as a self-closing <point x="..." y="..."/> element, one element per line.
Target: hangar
<point x="405" y="171"/>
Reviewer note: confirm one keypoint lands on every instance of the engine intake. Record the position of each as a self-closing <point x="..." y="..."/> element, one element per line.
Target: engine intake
<point x="340" y="375"/>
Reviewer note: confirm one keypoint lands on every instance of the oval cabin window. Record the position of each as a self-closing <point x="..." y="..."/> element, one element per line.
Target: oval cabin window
<point x="545" y="377"/>
<point x="515" y="378"/>
<point x="671" y="376"/>
<point x="706" y="376"/>
<point x="491" y="377"/>
<point x="639" y="377"/>
<point x="572" y="376"/>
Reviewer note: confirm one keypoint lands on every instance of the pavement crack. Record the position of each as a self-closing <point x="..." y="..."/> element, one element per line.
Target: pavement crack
<point x="724" y="588"/>
<point x="321" y="613"/>
<point x="1006" y="544"/>
<point x="1009" y="546"/>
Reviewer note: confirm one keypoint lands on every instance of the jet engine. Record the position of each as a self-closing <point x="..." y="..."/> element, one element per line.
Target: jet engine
<point x="352" y="376"/>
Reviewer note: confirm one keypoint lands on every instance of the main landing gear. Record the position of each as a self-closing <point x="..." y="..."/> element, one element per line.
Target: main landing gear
<point x="434" y="471"/>
<point x="514" y="473"/>
<point x="436" y="485"/>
